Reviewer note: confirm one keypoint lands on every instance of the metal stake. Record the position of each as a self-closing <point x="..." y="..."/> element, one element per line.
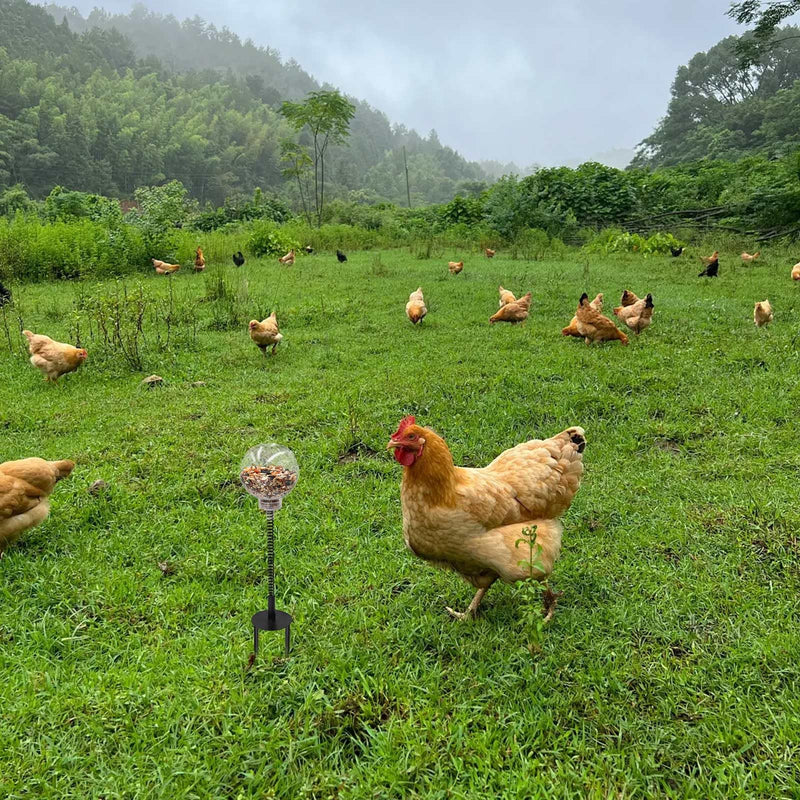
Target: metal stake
<point x="271" y="620"/>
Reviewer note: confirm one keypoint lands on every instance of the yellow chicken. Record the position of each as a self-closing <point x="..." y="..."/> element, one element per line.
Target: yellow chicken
<point x="796" y="272"/>
<point x="506" y="297"/>
<point x="415" y="307"/>
<point x="513" y="312"/>
<point x="637" y="316"/>
<point x="572" y="328"/>
<point x="288" y="259"/>
<point x="163" y="268"/>
<point x="25" y="488"/>
<point x="593" y="326"/>
<point x="266" y="333"/>
<point x="471" y="520"/>
<point x="455" y="267"/>
<point x="762" y="313"/>
<point x="53" y="359"/>
<point x="748" y="259"/>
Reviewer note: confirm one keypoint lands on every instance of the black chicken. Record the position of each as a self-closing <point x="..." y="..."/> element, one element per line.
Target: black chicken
<point x="5" y="295"/>
<point x="309" y="249"/>
<point x="676" y="251"/>
<point x="238" y="259"/>
<point x="711" y="271"/>
<point x="341" y="256"/>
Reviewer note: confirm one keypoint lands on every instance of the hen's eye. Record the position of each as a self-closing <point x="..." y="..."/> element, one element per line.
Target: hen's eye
<point x="412" y="435"/>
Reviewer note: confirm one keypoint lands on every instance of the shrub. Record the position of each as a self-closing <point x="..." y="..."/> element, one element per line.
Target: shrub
<point x="267" y="239"/>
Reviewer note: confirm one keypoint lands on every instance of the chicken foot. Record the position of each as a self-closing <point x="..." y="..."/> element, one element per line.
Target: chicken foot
<point x="472" y="609"/>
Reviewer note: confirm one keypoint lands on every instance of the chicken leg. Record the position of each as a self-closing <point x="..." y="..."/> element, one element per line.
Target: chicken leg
<point x="472" y="609"/>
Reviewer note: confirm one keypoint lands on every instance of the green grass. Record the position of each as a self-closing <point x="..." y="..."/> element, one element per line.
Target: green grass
<point x="670" y="669"/>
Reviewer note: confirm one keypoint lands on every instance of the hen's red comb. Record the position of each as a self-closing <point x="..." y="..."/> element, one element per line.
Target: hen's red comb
<point x="406" y="422"/>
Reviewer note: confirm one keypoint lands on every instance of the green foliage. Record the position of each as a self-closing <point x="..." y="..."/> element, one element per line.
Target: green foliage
<point x="34" y="251"/>
<point x="530" y="592"/>
<point x="139" y="99"/>
<point x="767" y="16"/>
<point x="722" y="108"/>
<point x="62" y="205"/>
<point x="14" y="199"/>
<point x="161" y="210"/>
<point x="327" y="116"/>
<point x="613" y="240"/>
<point x="268" y="239"/>
<point x="462" y="211"/>
<point x="236" y="210"/>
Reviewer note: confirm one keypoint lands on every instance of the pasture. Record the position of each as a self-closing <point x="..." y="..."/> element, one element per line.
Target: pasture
<point x="670" y="668"/>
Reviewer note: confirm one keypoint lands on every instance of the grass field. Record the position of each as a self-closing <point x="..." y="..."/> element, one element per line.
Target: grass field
<point x="671" y="667"/>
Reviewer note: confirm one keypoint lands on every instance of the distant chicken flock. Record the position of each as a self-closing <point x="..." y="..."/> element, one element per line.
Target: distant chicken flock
<point x="467" y="520"/>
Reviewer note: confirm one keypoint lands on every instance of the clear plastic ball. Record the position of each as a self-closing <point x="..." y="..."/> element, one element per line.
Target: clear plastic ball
<point x="269" y="472"/>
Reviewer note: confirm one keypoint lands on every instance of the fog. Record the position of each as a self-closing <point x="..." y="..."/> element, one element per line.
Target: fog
<point x="554" y="82"/>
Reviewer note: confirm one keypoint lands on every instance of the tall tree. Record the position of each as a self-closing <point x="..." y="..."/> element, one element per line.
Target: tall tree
<point x="767" y="16"/>
<point x="327" y="116"/>
<point x="298" y="165"/>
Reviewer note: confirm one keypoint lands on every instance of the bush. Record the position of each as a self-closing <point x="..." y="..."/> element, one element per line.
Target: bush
<point x="239" y="210"/>
<point x="267" y="239"/>
<point x="33" y="251"/>
<point x="613" y="240"/>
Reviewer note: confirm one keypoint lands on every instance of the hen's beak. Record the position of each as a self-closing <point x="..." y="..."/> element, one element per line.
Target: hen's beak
<point x="392" y="444"/>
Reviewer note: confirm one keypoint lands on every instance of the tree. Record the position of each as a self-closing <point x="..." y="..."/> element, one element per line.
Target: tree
<point x="718" y="104"/>
<point x="298" y="162"/>
<point x="767" y="16"/>
<point x="327" y="116"/>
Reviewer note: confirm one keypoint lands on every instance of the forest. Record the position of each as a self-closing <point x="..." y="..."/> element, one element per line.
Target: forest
<point x="93" y="110"/>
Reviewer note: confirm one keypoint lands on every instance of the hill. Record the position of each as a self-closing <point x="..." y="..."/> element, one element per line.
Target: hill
<point x="86" y="103"/>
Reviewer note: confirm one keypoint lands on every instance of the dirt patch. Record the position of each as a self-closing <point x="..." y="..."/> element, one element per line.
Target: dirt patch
<point x="355" y="452"/>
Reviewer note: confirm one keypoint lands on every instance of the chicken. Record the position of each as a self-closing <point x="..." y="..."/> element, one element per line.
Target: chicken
<point x="796" y="272"/>
<point x="455" y="267"/>
<point x="506" y="297"/>
<point x="238" y="259"/>
<point x="308" y="249"/>
<point x="748" y="259"/>
<point x="593" y="326"/>
<point x="637" y="316"/>
<point x="288" y="259"/>
<point x="710" y="259"/>
<point x="762" y="313"/>
<point x="199" y="261"/>
<point x="572" y="328"/>
<point x="341" y="256"/>
<point x="163" y="268"/>
<point x="711" y="271"/>
<point x="469" y="520"/>
<point x="266" y="333"/>
<point x="628" y="298"/>
<point x="53" y="359"/>
<point x="513" y="312"/>
<point x="415" y="307"/>
<point x="676" y="251"/>
<point x="489" y="253"/>
<point x="25" y="488"/>
<point x="5" y="295"/>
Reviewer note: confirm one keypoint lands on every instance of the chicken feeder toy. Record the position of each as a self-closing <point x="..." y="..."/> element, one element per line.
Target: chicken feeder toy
<point x="269" y="472"/>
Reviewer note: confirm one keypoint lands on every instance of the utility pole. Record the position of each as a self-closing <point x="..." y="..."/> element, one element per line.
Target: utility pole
<point x="408" y="189"/>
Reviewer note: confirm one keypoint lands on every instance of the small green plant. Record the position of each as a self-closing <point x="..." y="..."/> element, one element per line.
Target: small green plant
<point x="532" y="588"/>
<point x="116" y="320"/>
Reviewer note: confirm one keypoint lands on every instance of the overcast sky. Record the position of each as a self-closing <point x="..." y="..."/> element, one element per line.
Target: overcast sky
<point x="509" y="80"/>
